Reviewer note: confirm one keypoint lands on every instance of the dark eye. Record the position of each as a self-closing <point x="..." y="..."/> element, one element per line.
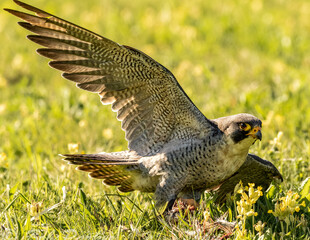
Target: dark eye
<point x="245" y="126"/>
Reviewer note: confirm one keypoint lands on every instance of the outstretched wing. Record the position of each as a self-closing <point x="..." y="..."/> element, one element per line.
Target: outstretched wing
<point x="148" y="100"/>
<point x="254" y="170"/>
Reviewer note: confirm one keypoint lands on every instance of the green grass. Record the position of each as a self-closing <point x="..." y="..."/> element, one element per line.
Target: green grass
<point x="229" y="56"/>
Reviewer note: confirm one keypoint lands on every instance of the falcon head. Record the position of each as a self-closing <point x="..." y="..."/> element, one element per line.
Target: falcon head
<point x="242" y="127"/>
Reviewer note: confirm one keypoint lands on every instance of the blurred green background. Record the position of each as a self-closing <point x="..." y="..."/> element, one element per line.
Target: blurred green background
<point x="229" y="56"/>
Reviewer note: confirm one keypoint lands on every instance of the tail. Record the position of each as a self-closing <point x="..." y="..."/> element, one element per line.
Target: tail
<point x="116" y="169"/>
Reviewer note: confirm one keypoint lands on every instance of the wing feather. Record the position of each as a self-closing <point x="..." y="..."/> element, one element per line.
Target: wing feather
<point x="149" y="101"/>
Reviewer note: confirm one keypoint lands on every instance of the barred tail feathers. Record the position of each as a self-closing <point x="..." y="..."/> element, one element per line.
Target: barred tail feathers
<point x="115" y="169"/>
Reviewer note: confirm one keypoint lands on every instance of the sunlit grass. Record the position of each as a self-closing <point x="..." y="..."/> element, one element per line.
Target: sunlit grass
<point x="230" y="57"/>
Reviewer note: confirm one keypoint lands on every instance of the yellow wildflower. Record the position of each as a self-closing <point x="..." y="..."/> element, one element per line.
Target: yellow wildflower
<point x="34" y="208"/>
<point x="245" y="205"/>
<point x="238" y="187"/>
<point x="206" y="215"/>
<point x="254" y="194"/>
<point x="107" y="133"/>
<point x="287" y="206"/>
<point x="240" y="233"/>
<point x="73" y="148"/>
<point x="82" y="123"/>
<point x="259" y="227"/>
<point x="3" y="160"/>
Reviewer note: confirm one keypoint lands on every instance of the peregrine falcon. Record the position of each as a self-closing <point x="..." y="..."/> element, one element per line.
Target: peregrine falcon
<point x="173" y="149"/>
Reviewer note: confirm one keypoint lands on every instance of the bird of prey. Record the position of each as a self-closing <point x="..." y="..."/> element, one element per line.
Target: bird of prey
<point x="254" y="170"/>
<point x="173" y="149"/>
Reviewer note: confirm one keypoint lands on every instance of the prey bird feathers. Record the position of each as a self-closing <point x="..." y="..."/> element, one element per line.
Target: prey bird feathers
<point x="173" y="149"/>
<point x="254" y="170"/>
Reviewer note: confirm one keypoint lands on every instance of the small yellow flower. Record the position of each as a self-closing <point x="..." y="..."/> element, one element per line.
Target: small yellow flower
<point x="285" y="208"/>
<point x="254" y="194"/>
<point x="238" y="187"/>
<point x="3" y="160"/>
<point x="240" y="233"/>
<point x="82" y="123"/>
<point x="73" y="148"/>
<point x="34" y="208"/>
<point x="63" y="167"/>
<point x="3" y="157"/>
<point x="249" y="196"/>
<point x="259" y="227"/>
<point x="206" y="215"/>
<point x="2" y="107"/>
<point x="107" y="133"/>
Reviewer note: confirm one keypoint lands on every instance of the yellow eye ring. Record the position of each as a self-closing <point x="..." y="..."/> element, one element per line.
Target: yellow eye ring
<point x="244" y="126"/>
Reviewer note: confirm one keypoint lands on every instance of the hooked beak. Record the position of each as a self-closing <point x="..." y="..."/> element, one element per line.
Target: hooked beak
<point x="256" y="133"/>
